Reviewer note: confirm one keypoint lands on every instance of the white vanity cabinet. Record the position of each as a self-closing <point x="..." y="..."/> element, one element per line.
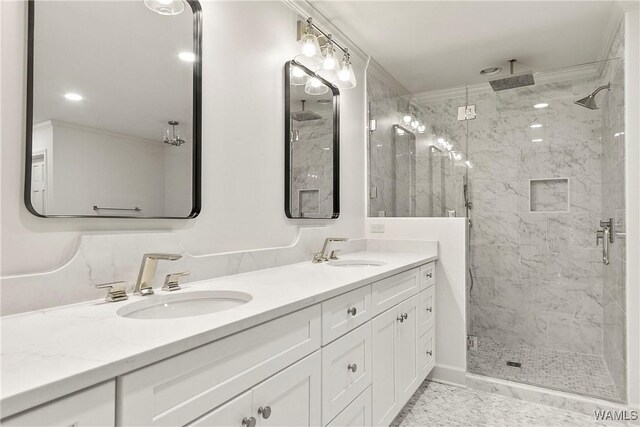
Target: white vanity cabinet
<point x="396" y="372"/>
<point x="95" y="406"/>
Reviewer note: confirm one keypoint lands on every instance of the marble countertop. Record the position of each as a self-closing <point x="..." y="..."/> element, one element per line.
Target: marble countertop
<point x="50" y="353"/>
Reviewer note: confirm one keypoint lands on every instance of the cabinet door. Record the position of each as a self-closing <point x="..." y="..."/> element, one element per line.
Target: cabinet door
<point x="95" y="406"/>
<point x="407" y="369"/>
<point x="230" y="414"/>
<point x="383" y="389"/>
<point x="292" y="397"/>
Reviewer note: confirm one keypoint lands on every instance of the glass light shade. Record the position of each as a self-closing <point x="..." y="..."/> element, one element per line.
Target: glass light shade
<point x="346" y="76"/>
<point x="310" y="45"/>
<point x="315" y="87"/>
<point x="165" y="7"/>
<point x="422" y="128"/>
<point x="415" y="124"/>
<point x="297" y="77"/>
<point x="329" y="68"/>
<point x="313" y="63"/>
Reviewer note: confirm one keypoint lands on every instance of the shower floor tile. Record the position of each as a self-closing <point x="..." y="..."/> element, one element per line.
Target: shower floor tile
<point x="584" y="374"/>
<point x="437" y="404"/>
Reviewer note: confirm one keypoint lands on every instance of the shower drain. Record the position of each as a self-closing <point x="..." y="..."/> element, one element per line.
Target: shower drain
<point x="514" y="364"/>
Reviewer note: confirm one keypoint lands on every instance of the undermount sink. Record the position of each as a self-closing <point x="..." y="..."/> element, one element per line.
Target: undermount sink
<point x="356" y="263"/>
<point x="187" y="304"/>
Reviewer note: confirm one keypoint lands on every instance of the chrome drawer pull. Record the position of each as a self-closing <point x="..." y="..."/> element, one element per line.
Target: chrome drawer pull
<point x="429" y="309"/>
<point x="249" y="422"/>
<point x="429" y="275"/>
<point x="430" y="353"/>
<point x="352" y="367"/>
<point x="352" y="311"/>
<point x="265" y="412"/>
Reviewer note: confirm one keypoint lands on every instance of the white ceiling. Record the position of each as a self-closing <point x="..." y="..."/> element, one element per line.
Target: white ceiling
<point x="119" y="55"/>
<point x="435" y="45"/>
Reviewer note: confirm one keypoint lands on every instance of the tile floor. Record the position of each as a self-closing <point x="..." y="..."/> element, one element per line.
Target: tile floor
<point x="579" y="373"/>
<point x="437" y="404"/>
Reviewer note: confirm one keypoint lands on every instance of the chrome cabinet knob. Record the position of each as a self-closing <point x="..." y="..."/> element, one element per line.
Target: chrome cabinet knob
<point x="352" y="311"/>
<point x="430" y="353"/>
<point x="405" y="316"/>
<point x="429" y="275"/>
<point x="352" y="367"/>
<point x="249" y="422"/>
<point x="429" y="309"/>
<point x="265" y="412"/>
<point x="400" y="318"/>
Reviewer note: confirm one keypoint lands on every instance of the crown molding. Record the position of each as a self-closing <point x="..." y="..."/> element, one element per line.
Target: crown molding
<point x="629" y="6"/>
<point x="305" y="9"/>
<point x="543" y="77"/>
<point x="379" y="72"/>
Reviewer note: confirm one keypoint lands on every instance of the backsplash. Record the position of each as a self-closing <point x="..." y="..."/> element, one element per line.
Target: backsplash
<point x="102" y="258"/>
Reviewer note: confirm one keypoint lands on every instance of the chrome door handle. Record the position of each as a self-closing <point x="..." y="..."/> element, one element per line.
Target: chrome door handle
<point x="352" y="367"/>
<point x="265" y="412"/>
<point x="352" y="311"/>
<point x="249" y="422"/>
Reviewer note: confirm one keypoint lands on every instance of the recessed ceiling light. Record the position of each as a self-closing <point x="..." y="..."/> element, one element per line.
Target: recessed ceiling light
<point x="490" y="71"/>
<point x="537" y="140"/>
<point x="73" y="96"/>
<point x="187" y="56"/>
<point x="535" y="126"/>
<point x="541" y="105"/>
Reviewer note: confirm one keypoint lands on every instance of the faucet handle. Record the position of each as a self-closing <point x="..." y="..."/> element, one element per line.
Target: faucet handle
<point x="171" y="281"/>
<point x="333" y="255"/>
<point x="117" y="291"/>
<point x="317" y="258"/>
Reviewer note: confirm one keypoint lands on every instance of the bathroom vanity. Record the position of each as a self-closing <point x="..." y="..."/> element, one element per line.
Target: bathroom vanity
<point x="332" y="344"/>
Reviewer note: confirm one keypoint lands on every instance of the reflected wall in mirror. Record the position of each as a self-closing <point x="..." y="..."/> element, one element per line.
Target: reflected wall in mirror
<point x="311" y="145"/>
<point x="113" y="109"/>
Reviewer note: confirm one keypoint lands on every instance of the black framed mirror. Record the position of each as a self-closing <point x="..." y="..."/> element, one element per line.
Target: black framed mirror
<point x="114" y="109"/>
<point x="312" y="145"/>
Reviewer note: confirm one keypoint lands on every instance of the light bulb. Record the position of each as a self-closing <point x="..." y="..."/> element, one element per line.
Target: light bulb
<point x="440" y="140"/>
<point x="422" y="128"/>
<point x="406" y="119"/>
<point x="415" y="124"/>
<point x="308" y="49"/>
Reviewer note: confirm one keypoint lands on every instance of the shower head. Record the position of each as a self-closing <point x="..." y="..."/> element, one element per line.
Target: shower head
<point x="305" y="116"/>
<point x="513" y="81"/>
<point x="590" y="101"/>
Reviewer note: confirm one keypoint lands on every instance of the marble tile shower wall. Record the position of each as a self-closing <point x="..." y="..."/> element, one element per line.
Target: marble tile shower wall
<point x="312" y="175"/>
<point x="383" y="106"/>
<point x="537" y="275"/>
<point x="613" y="203"/>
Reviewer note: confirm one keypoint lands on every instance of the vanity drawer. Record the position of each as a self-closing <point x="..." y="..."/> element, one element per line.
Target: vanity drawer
<point x="357" y="414"/>
<point x="426" y="310"/>
<point x="427" y="275"/>
<point x="427" y="353"/>
<point x="183" y="388"/>
<point x="345" y="312"/>
<point x="390" y="291"/>
<point x="346" y="370"/>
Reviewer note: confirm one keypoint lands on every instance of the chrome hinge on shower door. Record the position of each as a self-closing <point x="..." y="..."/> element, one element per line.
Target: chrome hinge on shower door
<point x="466" y="113"/>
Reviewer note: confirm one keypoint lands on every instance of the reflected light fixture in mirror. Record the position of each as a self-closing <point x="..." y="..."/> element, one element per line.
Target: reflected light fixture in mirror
<point x="73" y="97"/>
<point x="187" y="56"/>
<point x="165" y="7"/>
<point x="298" y="77"/>
<point x="315" y="87"/>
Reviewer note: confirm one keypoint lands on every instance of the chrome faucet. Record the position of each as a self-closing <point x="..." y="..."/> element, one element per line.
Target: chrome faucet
<point x="605" y="233"/>
<point x="324" y="254"/>
<point x="148" y="271"/>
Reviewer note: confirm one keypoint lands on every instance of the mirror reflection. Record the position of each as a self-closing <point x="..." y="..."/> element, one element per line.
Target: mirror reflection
<point x="113" y="123"/>
<point x="312" y="145"/>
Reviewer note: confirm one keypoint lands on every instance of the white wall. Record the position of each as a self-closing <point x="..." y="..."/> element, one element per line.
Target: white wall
<point x="451" y="359"/>
<point x="245" y="47"/>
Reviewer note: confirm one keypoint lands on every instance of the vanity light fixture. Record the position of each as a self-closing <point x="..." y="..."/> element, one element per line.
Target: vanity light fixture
<point x="165" y="7"/>
<point x="541" y="105"/>
<point x="406" y="119"/>
<point x="73" y="97"/>
<point x="187" y="56"/>
<point x="171" y="135"/>
<point x="324" y="62"/>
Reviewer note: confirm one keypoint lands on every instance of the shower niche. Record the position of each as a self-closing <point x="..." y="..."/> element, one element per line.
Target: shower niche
<point x="311" y="145"/>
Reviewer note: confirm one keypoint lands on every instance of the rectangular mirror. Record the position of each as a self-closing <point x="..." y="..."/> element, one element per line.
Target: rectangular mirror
<point x="311" y="145"/>
<point x="113" y="109"/>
